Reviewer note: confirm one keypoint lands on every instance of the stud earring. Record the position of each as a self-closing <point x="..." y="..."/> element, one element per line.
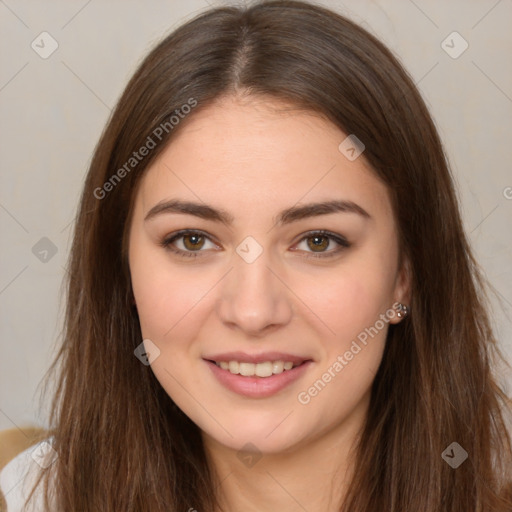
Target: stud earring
<point x="403" y="310"/>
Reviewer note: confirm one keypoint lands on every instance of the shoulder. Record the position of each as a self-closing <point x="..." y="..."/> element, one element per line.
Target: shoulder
<point x="19" y="475"/>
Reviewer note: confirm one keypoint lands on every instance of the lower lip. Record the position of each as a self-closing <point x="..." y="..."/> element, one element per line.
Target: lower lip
<point x="258" y="387"/>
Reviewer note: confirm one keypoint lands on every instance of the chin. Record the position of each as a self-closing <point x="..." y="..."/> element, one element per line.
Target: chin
<point x="269" y="437"/>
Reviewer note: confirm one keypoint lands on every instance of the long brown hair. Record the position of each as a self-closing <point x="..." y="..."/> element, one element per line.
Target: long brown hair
<point x="122" y="444"/>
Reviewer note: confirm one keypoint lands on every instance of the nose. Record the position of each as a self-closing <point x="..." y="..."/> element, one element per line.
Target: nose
<point x="254" y="299"/>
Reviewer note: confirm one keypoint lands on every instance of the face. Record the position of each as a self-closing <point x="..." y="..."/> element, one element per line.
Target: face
<point x="235" y="270"/>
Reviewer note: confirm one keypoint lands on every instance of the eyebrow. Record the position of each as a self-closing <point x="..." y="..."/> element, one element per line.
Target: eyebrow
<point x="287" y="216"/>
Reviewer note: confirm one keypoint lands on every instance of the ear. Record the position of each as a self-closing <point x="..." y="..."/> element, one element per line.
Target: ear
<point x="402" y="290"/>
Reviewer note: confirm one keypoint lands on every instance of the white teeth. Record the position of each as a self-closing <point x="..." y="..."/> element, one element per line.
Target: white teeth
<point x="265" y="369"/>
<point x="233" y="367"/>
<point x="277" y="367"/>
<point x="246" y="369"/>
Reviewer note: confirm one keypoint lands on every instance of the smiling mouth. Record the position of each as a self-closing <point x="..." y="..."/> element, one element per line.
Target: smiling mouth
<point x="263" y="369"/>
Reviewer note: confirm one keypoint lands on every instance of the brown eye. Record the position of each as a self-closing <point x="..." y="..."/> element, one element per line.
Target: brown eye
<point x="319" y="242"/>
<point x="193" y="241"/>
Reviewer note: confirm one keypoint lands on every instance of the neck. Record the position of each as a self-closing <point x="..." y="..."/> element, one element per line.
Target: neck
<point x="312" y="475"/>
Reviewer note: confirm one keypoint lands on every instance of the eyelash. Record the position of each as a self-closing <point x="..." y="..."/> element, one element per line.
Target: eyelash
<point x="342" y="242"/>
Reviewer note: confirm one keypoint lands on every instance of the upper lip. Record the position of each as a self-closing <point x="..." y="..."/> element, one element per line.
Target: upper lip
<point x="243" y="357"/>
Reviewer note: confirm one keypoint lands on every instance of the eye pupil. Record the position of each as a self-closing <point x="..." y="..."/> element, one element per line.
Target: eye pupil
<point x="316" y="242"/>
<point x="195" y="241"/>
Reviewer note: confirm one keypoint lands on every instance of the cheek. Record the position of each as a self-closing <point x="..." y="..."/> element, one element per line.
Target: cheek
<point x="352" y="297"/>
<point x="164" y="296"/>
<point x="171" y="307"/>
<point x="166" y="306"/>
<point x="353" y="306"/>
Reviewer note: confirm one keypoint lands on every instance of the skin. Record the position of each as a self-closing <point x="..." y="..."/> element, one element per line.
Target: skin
<point x="250" y="157"/>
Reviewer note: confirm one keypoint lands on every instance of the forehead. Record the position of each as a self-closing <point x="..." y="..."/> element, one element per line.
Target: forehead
<point x="260" y="152"/>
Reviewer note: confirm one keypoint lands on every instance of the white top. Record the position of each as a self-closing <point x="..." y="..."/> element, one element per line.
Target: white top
<point x="19" y="476"/>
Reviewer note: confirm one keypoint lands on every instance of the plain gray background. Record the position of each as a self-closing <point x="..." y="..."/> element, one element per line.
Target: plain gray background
<point x="53" y="109"/>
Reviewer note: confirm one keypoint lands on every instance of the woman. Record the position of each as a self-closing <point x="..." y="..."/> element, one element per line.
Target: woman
<point x="272" y="304"/>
